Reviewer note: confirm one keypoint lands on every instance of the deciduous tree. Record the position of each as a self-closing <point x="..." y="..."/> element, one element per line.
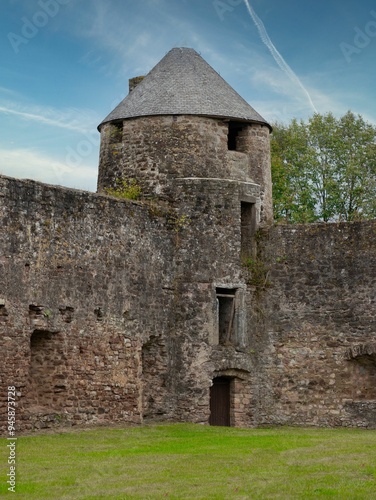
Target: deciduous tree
<point x="324" y="169"/>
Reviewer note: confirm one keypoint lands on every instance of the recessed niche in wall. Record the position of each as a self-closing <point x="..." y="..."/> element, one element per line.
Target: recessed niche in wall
<point x="47" y="369"/>
<point x="248" y="229"/>
<point x="116" y="132"/>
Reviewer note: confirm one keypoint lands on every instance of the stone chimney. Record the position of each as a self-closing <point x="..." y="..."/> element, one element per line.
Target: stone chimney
<point x="133" y="82"/>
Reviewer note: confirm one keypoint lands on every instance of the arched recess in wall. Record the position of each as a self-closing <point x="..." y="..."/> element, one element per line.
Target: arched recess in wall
<point x="48" y="373"/>
<point x="154" y="377"/>
<point x="362" y="376"/>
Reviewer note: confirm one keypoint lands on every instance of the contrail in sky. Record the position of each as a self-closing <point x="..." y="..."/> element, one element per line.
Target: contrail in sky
<point x="274" y="52"/>
<point x="44" y="119"/>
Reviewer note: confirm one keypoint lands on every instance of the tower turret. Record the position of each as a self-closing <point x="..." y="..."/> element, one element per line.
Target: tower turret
<point x="182" y="120"/>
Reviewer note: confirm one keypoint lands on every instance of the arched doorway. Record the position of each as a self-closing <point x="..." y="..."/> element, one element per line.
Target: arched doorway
<point x="220" y="401"/>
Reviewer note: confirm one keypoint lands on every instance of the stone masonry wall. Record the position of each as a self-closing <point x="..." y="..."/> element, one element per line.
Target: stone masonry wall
<point x="255" y="141"/>
<point x="319" y="311"/>
<point x="84" y="282"/>
<point x="208" y="255"/>
<point x="108" y="306"/>
<point x="153" y="150"/>
<point x="108" y="310"/>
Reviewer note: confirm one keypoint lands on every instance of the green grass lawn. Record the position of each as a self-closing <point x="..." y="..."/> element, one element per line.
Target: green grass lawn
<point x="185" y="461"/>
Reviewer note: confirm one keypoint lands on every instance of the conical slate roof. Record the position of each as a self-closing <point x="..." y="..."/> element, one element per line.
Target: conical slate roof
<point x="182" y="83"/>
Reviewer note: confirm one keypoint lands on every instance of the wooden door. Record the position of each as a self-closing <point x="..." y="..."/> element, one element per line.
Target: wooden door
<point x="220" y="402"/>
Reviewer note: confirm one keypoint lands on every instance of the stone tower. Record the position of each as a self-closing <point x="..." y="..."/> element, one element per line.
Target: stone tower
<point x="191" y="142"/>
<point x="183" y="121"/>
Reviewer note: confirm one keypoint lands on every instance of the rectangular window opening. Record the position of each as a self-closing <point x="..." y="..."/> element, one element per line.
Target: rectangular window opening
<point x="226" y="315"/>
<point x="248" y="230"/>
<point x="116" y="132"/>
<point x="233" y="131"/>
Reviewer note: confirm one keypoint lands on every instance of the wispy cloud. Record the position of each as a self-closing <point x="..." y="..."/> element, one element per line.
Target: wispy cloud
<point x="276" y="55"/>
<point x="7" y="91"/>
<point x="122" y="39"/>
<point x="71" y="119"/>
<point x="28" y="163"/>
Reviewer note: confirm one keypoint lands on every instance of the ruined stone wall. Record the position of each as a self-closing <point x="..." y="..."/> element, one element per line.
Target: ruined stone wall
<point x="84" y="282"/>
<point x="319" y="316"/>
<point x="109" y="309"/>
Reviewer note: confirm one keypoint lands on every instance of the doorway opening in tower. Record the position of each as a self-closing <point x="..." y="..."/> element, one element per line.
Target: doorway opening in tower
<point x="220" y="402"/>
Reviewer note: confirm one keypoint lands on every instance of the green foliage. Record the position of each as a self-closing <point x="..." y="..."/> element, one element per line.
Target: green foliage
<point x="281" y="259"/>
<point x="127" y="189"/>
<point x="178" y="222"/>
<point x="258" y="273"/>
<point x="324" y="169"/>
<point x="47" y="313"/>
<point x="186" y="461"/>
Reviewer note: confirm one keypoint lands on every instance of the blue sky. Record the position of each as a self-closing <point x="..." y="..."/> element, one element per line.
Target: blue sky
<point x="65" y="64"/>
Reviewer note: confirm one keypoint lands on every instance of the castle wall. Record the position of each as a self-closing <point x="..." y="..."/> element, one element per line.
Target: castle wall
<point x="108" y="307"/>
<point x="318" y="312"/>
<point x="109" y="310"/>
<point x="84" y="282"/>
